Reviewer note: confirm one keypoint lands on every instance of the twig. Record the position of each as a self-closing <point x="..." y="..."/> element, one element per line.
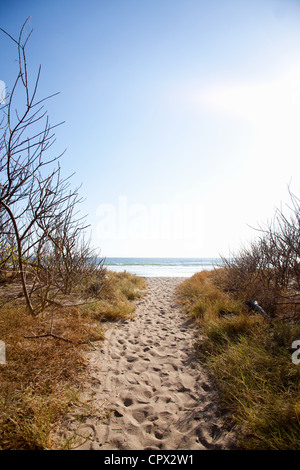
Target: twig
<point x="60" y="337"/>
<point x="49" y="334"/>
<point x="59" y="304"/>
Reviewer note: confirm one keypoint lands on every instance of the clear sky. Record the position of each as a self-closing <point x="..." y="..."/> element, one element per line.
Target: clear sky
<point x="182" y="117"/>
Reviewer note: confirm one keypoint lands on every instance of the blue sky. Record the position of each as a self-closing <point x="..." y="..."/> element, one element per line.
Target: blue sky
<point x="181" y="116"/>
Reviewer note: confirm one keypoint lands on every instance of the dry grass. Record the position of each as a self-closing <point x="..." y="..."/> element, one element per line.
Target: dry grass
<point x="41" y="376"/>
<point x="250" y="358"/>
<point x="118" y="292"/>
<point x="202" y="299"/>
<point x="44" y="376"/>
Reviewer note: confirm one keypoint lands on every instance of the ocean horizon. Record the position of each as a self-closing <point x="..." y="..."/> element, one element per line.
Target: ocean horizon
<point x="161" y="267"/>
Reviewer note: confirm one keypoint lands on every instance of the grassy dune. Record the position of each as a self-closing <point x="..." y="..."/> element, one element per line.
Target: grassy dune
<point x="251" y="360"/>
<point x="44" y="375"/>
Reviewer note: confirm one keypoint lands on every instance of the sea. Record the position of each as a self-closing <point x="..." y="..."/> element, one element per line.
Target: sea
<point x="162" y="267"/>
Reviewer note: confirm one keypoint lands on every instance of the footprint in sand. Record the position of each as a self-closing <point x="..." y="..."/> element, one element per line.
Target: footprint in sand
<point x="160" y="397"/>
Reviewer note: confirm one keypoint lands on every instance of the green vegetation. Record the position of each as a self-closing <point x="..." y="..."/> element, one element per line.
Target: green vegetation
<point x="250" y="357"/>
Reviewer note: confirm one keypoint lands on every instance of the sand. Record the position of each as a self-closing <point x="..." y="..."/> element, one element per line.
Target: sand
<point x="145" y="373"/>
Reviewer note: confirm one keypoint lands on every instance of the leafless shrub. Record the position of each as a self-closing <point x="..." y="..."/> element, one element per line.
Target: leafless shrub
<point x="39" y="229"/>
<point x="268" y="270"/>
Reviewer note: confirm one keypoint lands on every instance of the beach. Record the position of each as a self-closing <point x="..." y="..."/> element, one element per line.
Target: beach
<point x="146" y="375"/>
<point x="162" y="267"/>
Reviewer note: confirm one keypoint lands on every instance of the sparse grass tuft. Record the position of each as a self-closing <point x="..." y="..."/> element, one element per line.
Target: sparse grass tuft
<point x="118" y="292"/>
<point x="202" y="299"/>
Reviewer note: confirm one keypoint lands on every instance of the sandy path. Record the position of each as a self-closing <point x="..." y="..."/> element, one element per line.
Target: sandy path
<point x="159" y="396"/>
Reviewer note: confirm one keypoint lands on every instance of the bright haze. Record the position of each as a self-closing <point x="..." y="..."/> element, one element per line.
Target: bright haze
<point x="182" y="117"/>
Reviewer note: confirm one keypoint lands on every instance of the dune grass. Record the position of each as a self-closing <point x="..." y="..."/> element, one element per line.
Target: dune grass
<point x="250" y="358"/>
<point x="115" y="300"/>
<point x="44" y="376"/>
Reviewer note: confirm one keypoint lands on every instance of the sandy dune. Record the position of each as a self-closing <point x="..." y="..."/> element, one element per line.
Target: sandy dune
<point x="159" y="396"/>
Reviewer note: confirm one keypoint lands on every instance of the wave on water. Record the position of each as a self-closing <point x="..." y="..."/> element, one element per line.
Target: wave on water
<point x="162" y="267"/>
